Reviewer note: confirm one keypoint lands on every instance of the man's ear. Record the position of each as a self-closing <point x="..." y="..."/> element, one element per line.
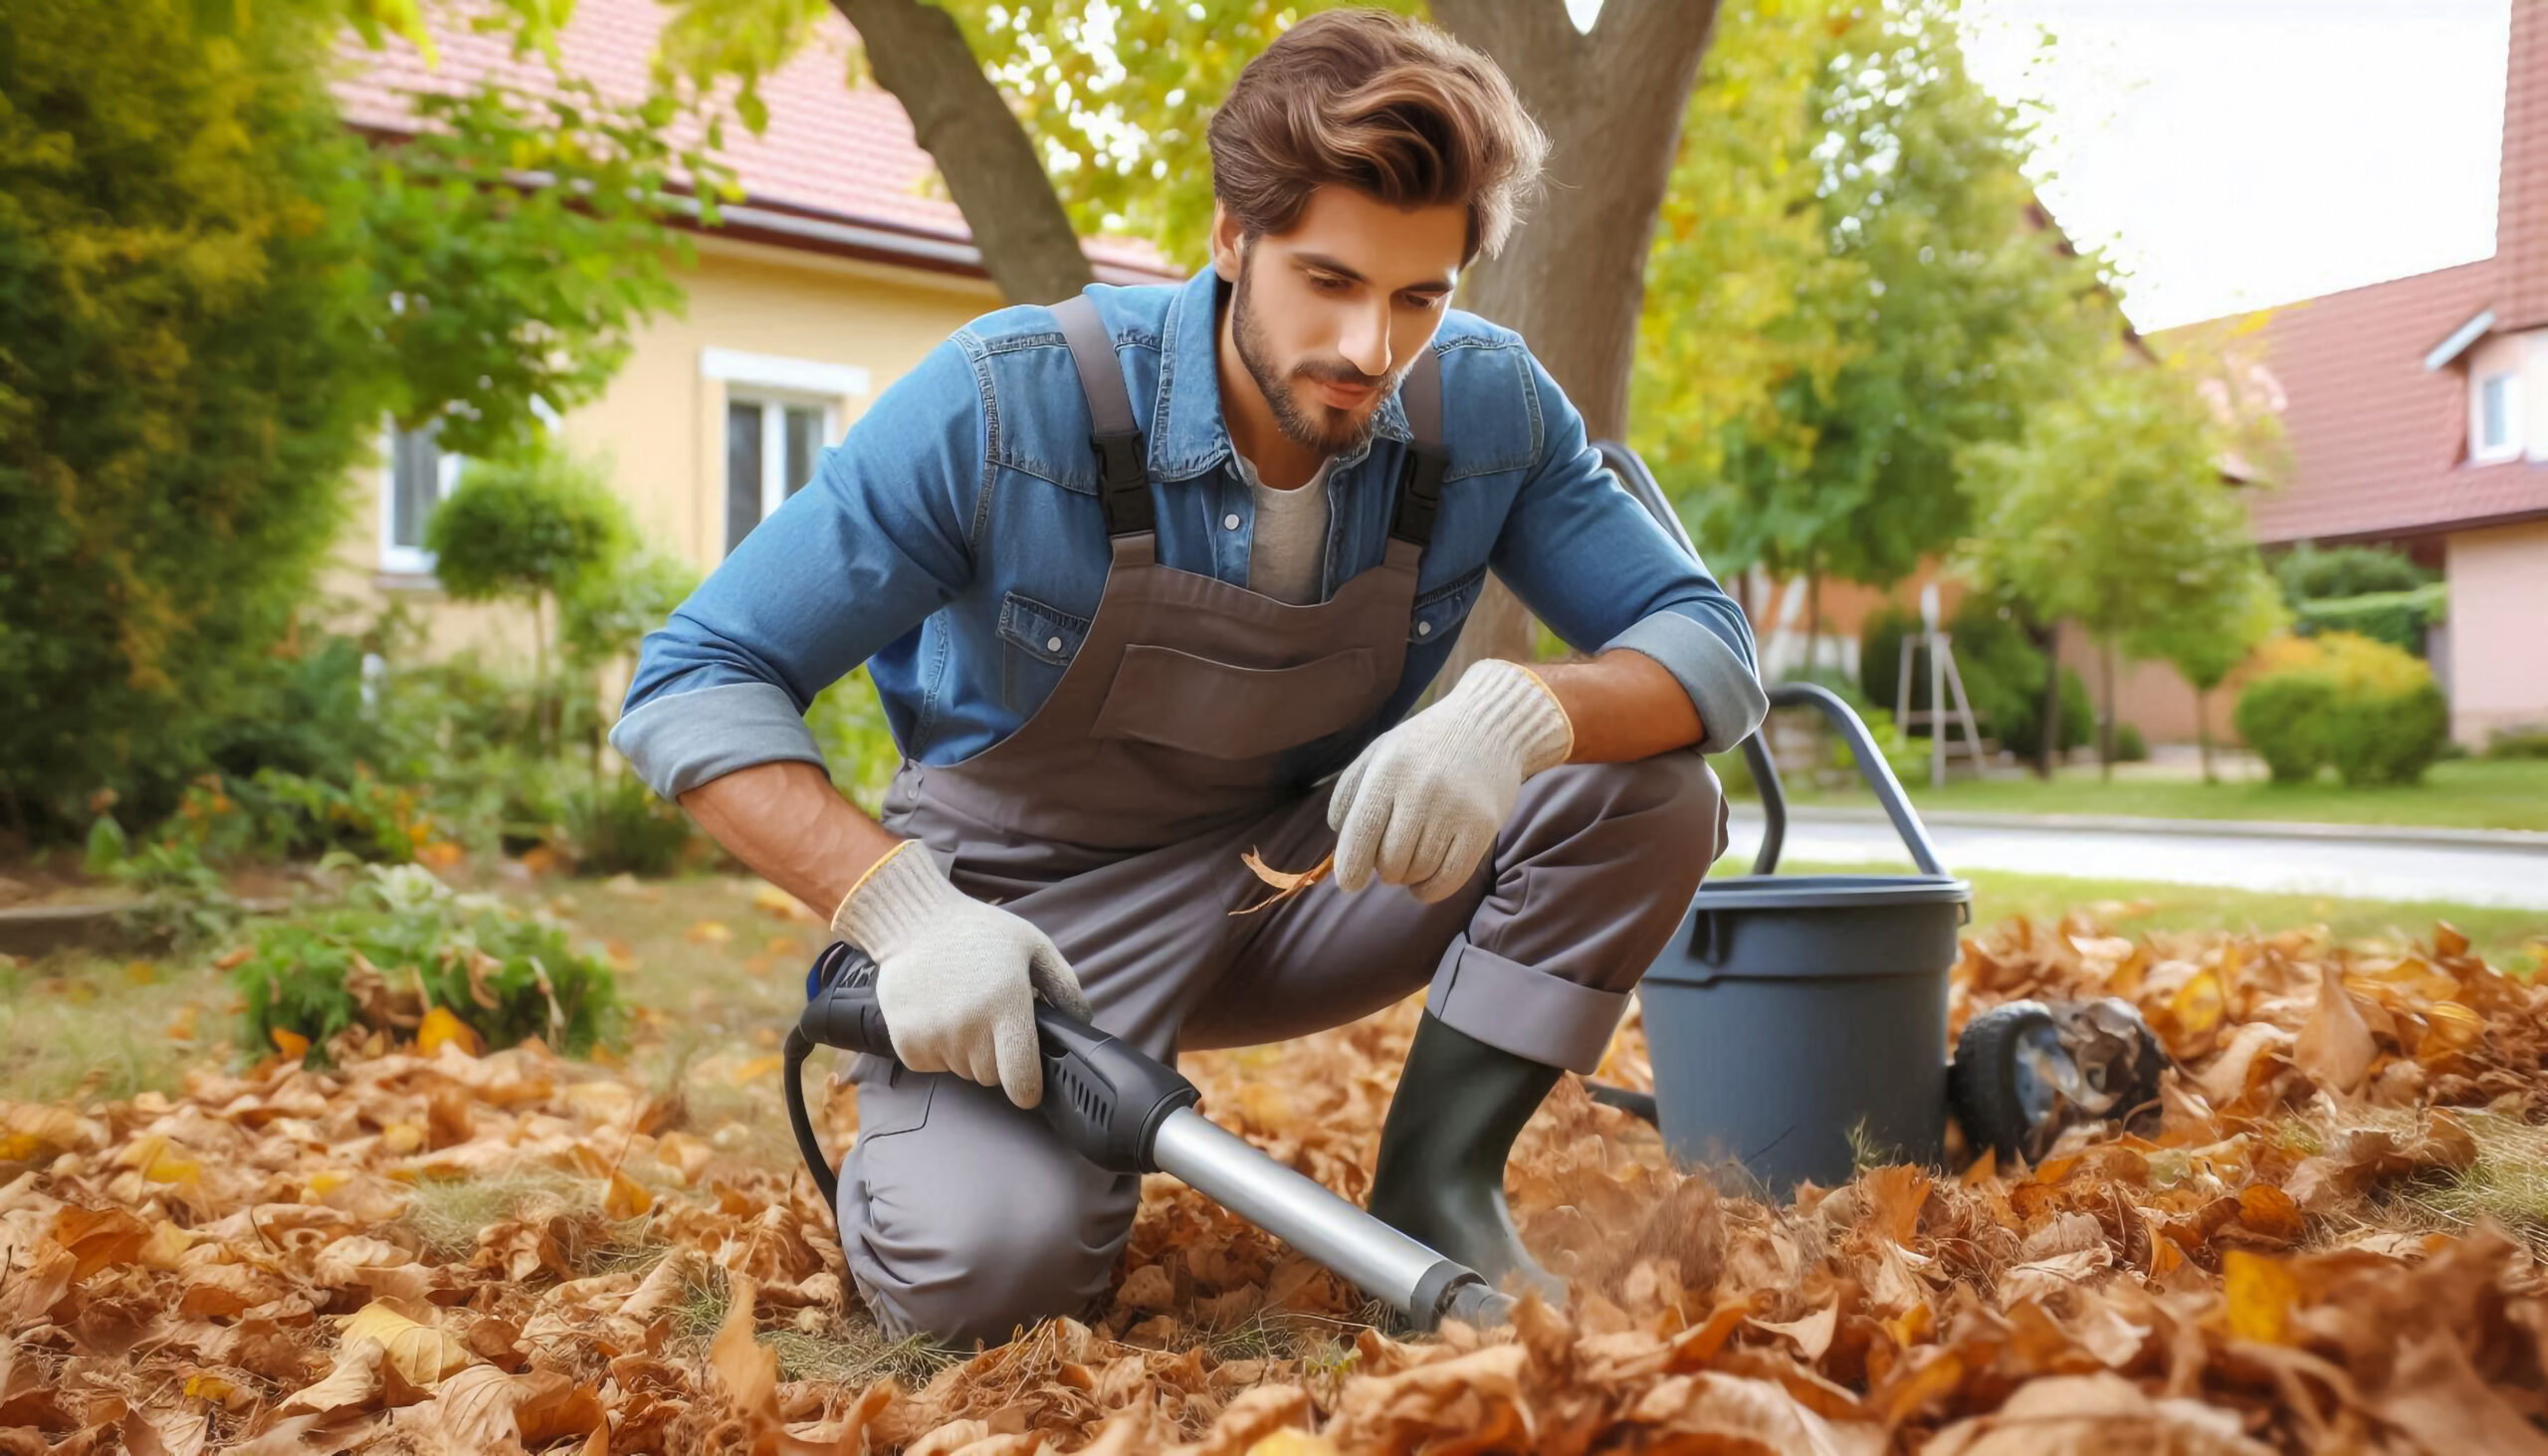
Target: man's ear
<point x="1228" y="237"/>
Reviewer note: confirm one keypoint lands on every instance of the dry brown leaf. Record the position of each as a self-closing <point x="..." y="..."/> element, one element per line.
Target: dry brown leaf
<point x="2335" y="1047"/>
<point x="1286" y="882"/>
<point x="422" y="1354"/>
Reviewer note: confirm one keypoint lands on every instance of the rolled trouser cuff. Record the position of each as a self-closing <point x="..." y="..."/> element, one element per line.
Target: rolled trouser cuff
<point x="1527" y="1012"/>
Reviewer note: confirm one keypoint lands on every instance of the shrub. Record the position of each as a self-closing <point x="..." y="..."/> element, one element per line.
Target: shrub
<point x="618" y="825"/>
<point x="848" y="723"/>
<point x="2367" y="708"/>
<point x="2312" y="574"/>
<point x="2399" y="618"/>
<point x="2129" y="746"/>
<point x="2283" y="714"/>
<point x="402" y="945"/>
<point x="2518" y="742"/>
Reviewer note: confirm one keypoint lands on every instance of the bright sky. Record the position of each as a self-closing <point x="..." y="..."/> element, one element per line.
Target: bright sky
<point x="2235" y="153"/>
<point x="2229" y="154"/>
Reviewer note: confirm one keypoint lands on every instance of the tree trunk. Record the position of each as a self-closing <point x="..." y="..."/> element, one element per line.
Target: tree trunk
<point x="919" y="55"/>
<point x="2047" y="743"/>
<point x="1572" y="279"/>
<point x="2105" y="718"/>
<point x="2203" y="730"/>
<point x="1813" y="612"/>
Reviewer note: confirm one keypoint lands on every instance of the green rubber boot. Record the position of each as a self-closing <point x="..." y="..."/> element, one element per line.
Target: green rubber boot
<point x="1459" y="1105"/>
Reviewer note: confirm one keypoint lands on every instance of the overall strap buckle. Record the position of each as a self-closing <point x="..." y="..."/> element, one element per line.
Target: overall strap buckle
<point x="1123" y="470"/>
<point x="1419" y="481"/>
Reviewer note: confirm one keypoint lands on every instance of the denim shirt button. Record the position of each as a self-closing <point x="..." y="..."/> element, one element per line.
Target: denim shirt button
<point x="1230" y="521"/>
<point x="1052" y="643"/>
<point x="1424" y="629"/>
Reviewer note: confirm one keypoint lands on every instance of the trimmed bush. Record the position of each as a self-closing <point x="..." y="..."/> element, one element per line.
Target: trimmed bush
<point x="2282" y="716"/>
<point x="2519" y="742"/>
<point x="2367" y="708"/>
<point x="2129" y="746"/>
<point x="2312" y="573"/>
<point x="2399" y="618"/>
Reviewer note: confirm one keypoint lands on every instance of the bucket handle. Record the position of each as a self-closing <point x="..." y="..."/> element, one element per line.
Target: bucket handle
<point x="1640" y="483"/>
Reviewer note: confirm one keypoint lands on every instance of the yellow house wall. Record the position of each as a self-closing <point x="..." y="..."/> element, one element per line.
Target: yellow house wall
<point x="661" y="422"/>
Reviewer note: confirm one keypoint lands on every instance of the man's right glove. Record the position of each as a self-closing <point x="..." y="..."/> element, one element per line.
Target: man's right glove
<point x="956" y="978"/>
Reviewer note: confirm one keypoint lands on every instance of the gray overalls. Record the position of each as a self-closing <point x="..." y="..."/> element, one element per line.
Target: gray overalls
<point x="1114" y="819"/>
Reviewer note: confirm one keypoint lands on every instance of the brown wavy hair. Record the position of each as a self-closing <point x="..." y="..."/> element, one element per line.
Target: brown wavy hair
<point x="1386" y="106"/>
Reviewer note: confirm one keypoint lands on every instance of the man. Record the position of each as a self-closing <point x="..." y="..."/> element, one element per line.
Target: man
<point x="1136" y="576"/>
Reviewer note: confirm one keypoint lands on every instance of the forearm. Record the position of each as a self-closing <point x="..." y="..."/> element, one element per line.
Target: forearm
<point x="789" y="825"/>
<point x="1623" y="705"/>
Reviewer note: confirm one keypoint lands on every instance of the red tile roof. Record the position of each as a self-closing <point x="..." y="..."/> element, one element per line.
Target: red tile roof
<point x="832" y="152"/>
<point x="2521" y="206"/>
<point x="2377" y="442"/>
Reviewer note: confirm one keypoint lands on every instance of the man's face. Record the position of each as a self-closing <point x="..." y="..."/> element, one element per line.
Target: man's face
<point x="1328" y="316"/>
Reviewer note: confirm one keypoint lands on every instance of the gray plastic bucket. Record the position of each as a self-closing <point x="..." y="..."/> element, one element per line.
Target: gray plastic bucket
<point x="1794" y="1014"/>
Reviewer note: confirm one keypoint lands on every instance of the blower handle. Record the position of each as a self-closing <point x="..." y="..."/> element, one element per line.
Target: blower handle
<point x="1639" y="482"/>
<point x="1105" y="1098"/>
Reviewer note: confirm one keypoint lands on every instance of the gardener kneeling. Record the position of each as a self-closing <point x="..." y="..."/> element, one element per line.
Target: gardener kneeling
<point x="1135" y="577"/>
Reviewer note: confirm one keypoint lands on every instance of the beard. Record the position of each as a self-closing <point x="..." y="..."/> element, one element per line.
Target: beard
<point x="1311" y="423"/>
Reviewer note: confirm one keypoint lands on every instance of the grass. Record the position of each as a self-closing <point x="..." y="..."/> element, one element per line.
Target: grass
<point x="2515" y="940"/>
<point x="2460" y="793"/>
<point x="79" y="1025"/>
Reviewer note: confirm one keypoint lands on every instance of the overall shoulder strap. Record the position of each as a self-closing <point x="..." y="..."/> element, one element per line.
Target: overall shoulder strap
<point x="1124" y="482"/>
<point x="1419" y="483"/>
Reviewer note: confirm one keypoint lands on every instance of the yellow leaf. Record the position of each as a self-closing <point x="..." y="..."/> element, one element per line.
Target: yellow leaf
<point x="2197" y="1004"/>
<point x="440" y="1026"/>
<point x="167" y="1242"/>
<point x="21" y="1147"/>
<point x="626" y="1198"/>
<point x="2261" y="1291"/>
<point x="420" y="1352"/>
<point x="327" y="1181"/>
<point x="710" y="933"/>
<point x="400" y="1139"/>
<point x="757" y="1068"/>
<point x="1293" y="1441"/>
<point x="141" y="973"/>
<point x="289" y="1042"/>
<point x="208" y="1387"/>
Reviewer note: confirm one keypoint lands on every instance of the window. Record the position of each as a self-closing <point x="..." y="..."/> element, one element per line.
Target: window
<point x="2497" y="424"/>
<point x="416" y="475"/>
<point x="770" y="448"/>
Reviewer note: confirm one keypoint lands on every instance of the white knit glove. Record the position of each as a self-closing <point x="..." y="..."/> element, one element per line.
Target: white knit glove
<point x="1423" y="803"/>
<point x="956" y="978"/>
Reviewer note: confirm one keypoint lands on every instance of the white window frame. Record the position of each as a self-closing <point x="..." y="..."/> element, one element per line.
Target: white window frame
<point x="2509" y="448"/>
<point x="398" y="560"/>
<point x="774" y="405"/>
<point x="775" y="382"/>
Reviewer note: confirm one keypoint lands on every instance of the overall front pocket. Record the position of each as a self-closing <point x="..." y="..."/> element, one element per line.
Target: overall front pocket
<point x="1218" y="710"/>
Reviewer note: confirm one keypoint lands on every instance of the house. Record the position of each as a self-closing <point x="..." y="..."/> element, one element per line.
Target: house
<point x="839" y="270"/>
<point x="2415" y="413"/>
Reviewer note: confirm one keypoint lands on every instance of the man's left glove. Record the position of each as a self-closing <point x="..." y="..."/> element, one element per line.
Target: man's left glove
<point x="1423" y="804"/>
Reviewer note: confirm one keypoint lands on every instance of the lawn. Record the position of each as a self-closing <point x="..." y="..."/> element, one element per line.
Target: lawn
<point x="2516" y="939"/>
<point x="2460" y="793"/>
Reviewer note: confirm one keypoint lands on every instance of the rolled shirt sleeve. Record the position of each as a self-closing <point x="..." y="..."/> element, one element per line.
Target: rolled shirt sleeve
<point x="879" y="538"/>
<point x="1588" y="558"/>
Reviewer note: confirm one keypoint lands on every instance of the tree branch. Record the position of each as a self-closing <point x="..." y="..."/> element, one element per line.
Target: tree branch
<point x="919" y="55"/>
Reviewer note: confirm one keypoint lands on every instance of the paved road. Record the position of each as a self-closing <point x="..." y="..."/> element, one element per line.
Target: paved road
<point x="2464" y="875"/>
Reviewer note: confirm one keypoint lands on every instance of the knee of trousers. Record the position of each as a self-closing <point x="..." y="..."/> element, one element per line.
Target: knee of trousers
<point x="1654" y="823"/>
<point x="963" y="1238"/>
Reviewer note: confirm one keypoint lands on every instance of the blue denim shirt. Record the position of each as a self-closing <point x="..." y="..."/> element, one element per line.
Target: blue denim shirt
<point x="953" y="541"/>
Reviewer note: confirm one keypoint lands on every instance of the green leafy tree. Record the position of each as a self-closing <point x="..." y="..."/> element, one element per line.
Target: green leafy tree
<point x="210" y="293"/>
<point x="535" y="527"/>
<point x="1852" y="284"/>
<point x="2226" y="607"/>
<point x="2109" y="509"/>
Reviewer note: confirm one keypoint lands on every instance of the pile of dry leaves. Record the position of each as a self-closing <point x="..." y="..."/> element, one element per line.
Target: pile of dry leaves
<point x="288" y="1261"/>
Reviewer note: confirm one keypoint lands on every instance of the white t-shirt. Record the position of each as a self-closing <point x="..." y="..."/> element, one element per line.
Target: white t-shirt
<point x="1287" y="561"/>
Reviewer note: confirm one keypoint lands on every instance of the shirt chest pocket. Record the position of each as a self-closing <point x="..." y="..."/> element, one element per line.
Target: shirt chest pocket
<point x="1439" y="612"/>
<point x="1037" y="643"/>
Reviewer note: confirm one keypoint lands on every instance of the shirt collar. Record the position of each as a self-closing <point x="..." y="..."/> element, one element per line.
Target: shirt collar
<point x="1189" y="434"/>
